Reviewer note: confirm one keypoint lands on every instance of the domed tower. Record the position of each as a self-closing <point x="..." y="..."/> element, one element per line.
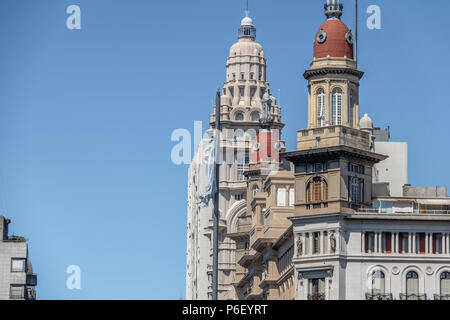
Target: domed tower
<point x="246" y="82"/>
<point x="333" y="77"/>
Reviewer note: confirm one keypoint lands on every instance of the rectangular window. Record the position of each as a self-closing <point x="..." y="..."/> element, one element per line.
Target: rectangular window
<point x="239" y="197"/>
<point x="291" y="197"/>
<point x="242" y="76"/>
<point x="316" y="243"/>
<point x="388" y="240"/>
<point x="242" y="166"/>
<point x="281" y="197"/>
<point x="18" y="264"/>
<point x="421" y="243"/>
<point x="17" y="291"/>
<point x="316" y="289"/>
<point x="252" y="76"/>
<point x="307" y="243"/>
<point x="356" y="190"/>
<point x="369" y="242"/>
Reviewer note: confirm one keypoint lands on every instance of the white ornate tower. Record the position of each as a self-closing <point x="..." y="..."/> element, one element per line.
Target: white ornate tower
<point x="241" y="110"/>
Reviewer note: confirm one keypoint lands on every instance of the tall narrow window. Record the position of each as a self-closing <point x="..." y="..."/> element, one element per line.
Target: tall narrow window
<point x="242" y="166"/>
<point x="308" y="193"/>
<point x="356" y="189"/>
<point x="320" y="108"/>
<point x="291" y="196"/>
<point x="412" y="285"/>
<point x="336" y="109"/>
<point x="316" y="243"/>
<point x="378" y="283"/>
<point x="317" y="191"/>
<point x="281" y="197"/>
<point x="316" y="290"/>
<point x="445" y="284"/>
<point x="239" y="116"/>
<point x="388" y="242"/>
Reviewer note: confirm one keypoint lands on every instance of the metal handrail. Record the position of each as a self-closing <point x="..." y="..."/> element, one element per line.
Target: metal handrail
<point x="390" y="211"/>
<point x="412" y="296"/>
<point x="379" y="296"/>
<point x="316" y="297"/>
<point x="442" y="297"/>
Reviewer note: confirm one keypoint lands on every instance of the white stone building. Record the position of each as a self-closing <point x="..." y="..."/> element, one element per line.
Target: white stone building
<point x="240" y="112"/>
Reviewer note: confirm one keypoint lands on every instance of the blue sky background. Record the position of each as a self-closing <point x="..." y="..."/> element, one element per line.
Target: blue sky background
<point x="86" y="118"/>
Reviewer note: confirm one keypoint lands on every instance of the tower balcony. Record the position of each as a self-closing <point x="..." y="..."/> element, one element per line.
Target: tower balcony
<point x="332" y="136"/>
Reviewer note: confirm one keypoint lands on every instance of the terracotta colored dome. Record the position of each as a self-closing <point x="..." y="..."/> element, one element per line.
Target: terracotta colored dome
<point x="337" y="43"/>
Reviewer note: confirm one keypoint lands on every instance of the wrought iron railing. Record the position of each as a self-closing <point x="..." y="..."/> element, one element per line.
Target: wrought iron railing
<point x="405" y="296"/>
<point x="316" y="297"/>
<point x="442" y="297"/>
<point x="379" y="296"/>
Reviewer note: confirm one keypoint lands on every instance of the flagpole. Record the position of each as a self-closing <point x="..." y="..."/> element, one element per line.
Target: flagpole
<point x="215" y="275"/>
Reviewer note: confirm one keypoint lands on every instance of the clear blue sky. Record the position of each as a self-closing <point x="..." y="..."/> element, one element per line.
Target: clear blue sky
<point x="86" y="118"/>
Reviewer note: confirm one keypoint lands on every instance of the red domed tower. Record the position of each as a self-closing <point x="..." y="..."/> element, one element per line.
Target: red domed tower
<point x="333" y="79"/>
<point x="333" y="39"/>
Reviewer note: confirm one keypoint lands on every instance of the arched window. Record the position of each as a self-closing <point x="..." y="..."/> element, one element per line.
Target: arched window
<point x="445" y="284"/>
<point x="320" y="108"/>
<point x="255" y="116"/>
<point x="378" y="283"/>
<point x="317" y="191"/>
<point x="239" y="116"/>
<point x="336" y="110"/>
<point x="412" y="285"/>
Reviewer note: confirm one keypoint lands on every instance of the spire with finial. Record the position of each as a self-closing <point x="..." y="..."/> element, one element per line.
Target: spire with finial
<point x="247" y="30"/>
<point x="333" y="9"/>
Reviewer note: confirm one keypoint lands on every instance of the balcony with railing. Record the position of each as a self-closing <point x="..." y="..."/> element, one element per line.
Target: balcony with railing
<point x="379" y="296"/>
<point x="400" y="212"/>
<point x="442" y="297"/>
<point x="412" y="296"/>
<point x="316" y="296"/>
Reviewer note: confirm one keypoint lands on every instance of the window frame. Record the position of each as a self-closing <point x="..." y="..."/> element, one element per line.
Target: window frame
<point x="24" y="265"/>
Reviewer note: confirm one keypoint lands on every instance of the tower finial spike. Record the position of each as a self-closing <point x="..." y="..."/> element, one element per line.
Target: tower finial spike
<point x="246" y="10"/>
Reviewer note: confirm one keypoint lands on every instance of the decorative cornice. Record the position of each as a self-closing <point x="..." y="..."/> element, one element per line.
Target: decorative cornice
<point x="330" y="70"/>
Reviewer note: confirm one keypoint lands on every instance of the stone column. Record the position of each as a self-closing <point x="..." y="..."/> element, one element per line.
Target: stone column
<point x="427" y="243"/>
<point x="414" y="243"/>
<point x="380" y="242"/>
<point x="410" y="242"/>
<point x="328" y="241"/>
<point x="392" y="243"/>
<point x="321" y="242"/>
<point x="396" y="246"/>
<point x="311" y="242"/>
<point x="363" y="242"/>
<point x="448" y="243"/>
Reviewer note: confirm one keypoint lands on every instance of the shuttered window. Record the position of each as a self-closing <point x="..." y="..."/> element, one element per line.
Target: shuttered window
<point x="291" y="196"/>
<point x="281" y="197"/>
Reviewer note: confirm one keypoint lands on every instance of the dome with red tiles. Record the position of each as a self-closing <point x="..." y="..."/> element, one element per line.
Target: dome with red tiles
<point x="333" y="39"/>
